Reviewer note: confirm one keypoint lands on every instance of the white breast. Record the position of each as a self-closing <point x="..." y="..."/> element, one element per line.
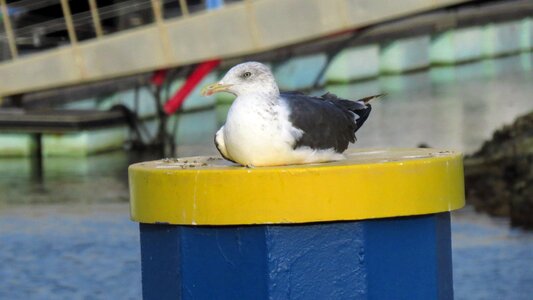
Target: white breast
<point x="258" y="133"/>
<point x="254" y="134"/>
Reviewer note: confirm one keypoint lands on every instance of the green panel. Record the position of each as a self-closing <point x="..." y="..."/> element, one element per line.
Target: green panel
<point x="502" y="38"/>
<point x="405" y="55"/>
<point x="300" y="72"/>
<point x="457" y="46"/>
<point x="16" y="144"/>
<point x="354" y="64"/>
<point x="84" y="143"/>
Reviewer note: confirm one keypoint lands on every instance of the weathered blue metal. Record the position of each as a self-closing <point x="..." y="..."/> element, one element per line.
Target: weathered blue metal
<point x="395" y="258"/>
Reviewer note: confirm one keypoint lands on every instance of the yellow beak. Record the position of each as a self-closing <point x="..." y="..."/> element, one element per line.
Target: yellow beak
<point x="215" y="88"/>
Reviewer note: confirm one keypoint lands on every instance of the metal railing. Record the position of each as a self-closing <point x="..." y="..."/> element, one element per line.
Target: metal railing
<point x="94" y="22"/>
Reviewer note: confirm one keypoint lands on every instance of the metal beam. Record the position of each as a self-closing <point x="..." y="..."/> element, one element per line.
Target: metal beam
<point x="157" y="8"/>
<point x="96" y="18"/>
<point x="68" y="20"/>
<point x="184" y="8"/>
<point x="9" y="30"/>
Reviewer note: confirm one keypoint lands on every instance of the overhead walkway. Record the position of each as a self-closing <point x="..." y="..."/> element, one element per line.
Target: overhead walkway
<point x="234" y="30"/>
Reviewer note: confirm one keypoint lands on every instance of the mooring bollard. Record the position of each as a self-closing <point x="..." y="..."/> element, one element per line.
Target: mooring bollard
<point x="376" y="226"/>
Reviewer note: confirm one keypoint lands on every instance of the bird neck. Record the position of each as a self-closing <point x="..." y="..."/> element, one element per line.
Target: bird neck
<point x="270" y="96"/>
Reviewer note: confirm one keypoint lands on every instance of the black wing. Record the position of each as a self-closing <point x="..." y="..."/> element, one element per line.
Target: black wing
<point x="327" y="121"/>
<point x="361" y="107"/>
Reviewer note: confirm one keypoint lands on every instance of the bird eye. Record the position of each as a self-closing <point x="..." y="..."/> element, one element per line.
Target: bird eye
<point x="246" y="75"/>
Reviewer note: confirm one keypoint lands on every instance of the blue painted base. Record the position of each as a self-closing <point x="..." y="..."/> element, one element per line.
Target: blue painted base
<point x="396" y="258"/>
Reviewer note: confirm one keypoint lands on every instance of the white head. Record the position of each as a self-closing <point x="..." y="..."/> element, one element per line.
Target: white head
<point x="245" y="78"/>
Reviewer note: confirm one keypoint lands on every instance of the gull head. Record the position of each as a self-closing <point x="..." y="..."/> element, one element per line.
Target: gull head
<point x="245" y="78"/>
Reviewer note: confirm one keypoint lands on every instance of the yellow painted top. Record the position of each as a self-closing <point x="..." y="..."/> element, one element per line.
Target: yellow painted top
<point x="370" y="183"/>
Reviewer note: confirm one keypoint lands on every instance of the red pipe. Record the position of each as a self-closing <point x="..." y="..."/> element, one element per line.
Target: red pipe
<point x="175" y="102"/>
<point x="158" y="78"/>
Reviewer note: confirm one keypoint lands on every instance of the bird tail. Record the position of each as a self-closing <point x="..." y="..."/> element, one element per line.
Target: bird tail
<point x="361" y="108"/>
<point x="367" y="100"/>
<point x="362" y="116"/>
<point x="365" y="112"/>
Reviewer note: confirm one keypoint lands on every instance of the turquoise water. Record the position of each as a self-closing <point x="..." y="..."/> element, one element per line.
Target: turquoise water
<point x="66" y="234"/>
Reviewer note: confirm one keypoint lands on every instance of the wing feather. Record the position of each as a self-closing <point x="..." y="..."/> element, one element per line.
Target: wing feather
<point x="328" y="121"/>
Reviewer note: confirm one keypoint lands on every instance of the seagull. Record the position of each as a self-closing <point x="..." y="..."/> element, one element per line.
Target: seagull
<point x="267" y="128"/>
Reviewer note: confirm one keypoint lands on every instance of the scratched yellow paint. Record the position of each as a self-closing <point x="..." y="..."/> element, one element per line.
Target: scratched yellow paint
<point x="370" y="183"/>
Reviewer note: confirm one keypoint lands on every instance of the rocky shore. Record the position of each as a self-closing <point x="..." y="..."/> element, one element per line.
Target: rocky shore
<point x="499" y="177"/>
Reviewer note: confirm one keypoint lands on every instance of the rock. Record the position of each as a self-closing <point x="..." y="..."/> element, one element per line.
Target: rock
<point x="499" y="177"/>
